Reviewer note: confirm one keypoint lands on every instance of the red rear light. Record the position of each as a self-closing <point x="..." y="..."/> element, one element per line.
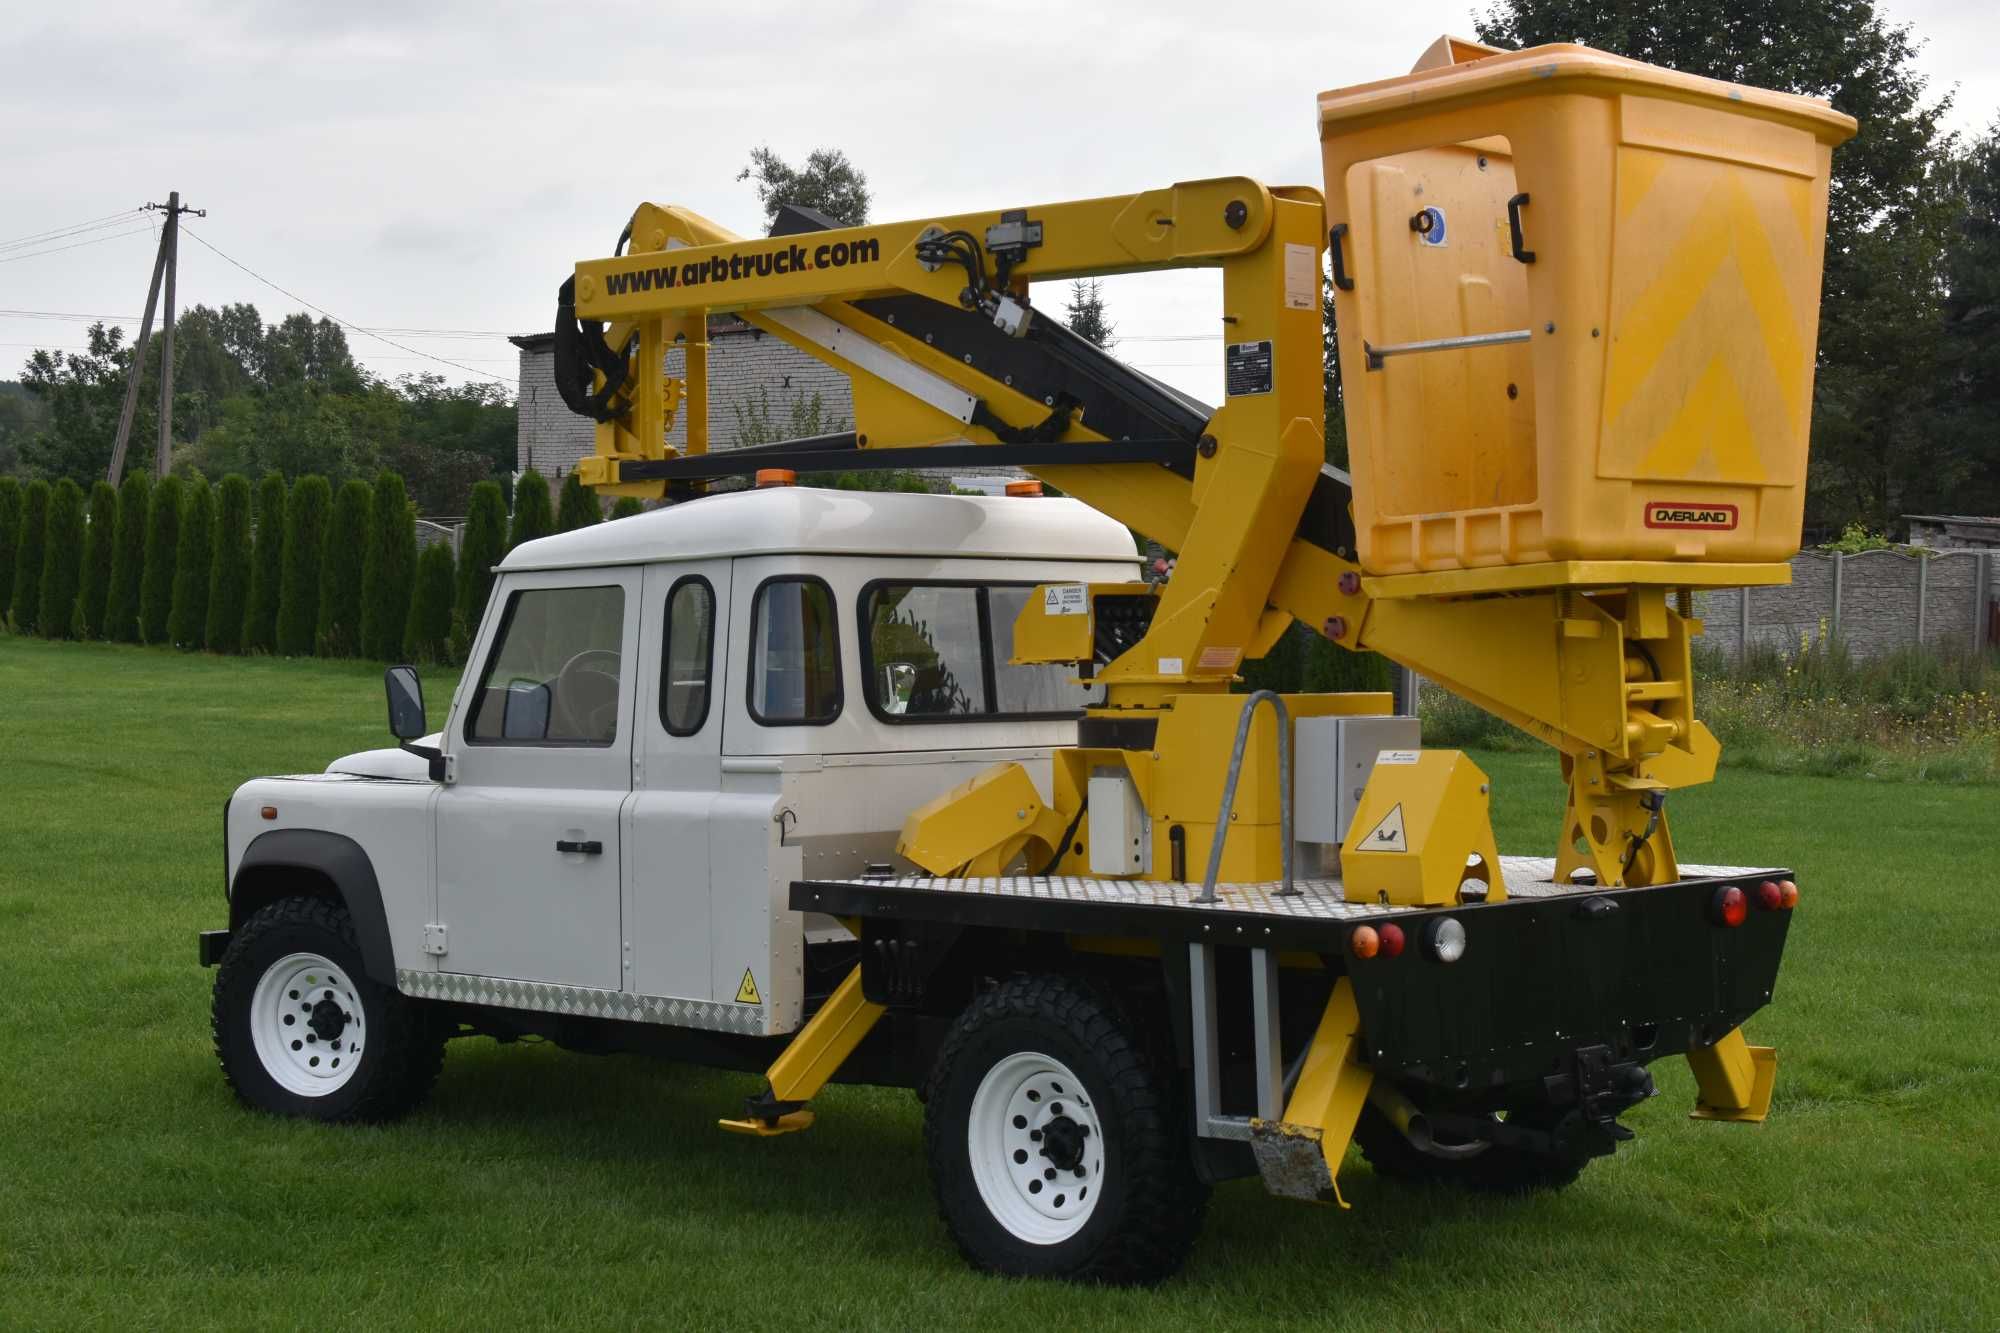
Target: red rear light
<point x="1729" y="906"/>
<point x="1392" y="940"/>
<point x="1769" y="896"/>
<point x="1789" y="893"/>
<point x="1364" y="941"/>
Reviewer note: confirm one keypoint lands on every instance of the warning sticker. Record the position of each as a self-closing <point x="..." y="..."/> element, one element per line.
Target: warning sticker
<point x="1301" y="277"/>
<point x="1066" y="599"/>
<point x="1387" y="836"/>
<point x="1246" y="368"/>
<point x="746" y="993"/>
<point x="1397" y="757"/>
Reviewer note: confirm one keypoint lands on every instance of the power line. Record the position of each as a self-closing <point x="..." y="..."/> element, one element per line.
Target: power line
<point x="72" y="229"/>
<point x="76" y="245"/>
<point x="346" y="324"/>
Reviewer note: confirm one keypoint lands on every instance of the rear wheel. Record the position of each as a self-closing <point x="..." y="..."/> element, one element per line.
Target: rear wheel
<point x="301" y="1031"/>
<point x="1486" y="1167"/>
<point x="1057" y="1141"/>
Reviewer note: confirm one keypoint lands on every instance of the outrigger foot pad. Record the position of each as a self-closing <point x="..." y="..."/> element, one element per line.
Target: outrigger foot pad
<point x="766" y="1116"/>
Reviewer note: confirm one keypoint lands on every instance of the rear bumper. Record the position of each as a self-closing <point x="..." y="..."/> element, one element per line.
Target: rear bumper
<point x="1628" y="975"/>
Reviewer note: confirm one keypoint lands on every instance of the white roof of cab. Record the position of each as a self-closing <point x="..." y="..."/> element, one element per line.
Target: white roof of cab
<point x="787" y="519"/>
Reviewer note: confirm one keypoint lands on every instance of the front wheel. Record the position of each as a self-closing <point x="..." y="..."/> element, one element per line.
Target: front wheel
<point x="301" y="1031"/>
<point x="1057" y="1140"/>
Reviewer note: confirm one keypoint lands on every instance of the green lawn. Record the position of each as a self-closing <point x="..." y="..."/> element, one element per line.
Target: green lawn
<point x="544" y="1187"/>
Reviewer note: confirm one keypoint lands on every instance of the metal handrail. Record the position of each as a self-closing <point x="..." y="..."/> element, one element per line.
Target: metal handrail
<point x="1375" y="355"/>
<point x="1229" y="792"/>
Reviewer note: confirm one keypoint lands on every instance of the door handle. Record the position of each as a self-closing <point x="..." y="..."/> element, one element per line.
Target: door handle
<point x="592" y="848"/>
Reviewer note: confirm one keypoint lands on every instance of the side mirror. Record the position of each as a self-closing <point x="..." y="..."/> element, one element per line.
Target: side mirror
<point x="899" y="682"/>
<point x="406" y="703"/>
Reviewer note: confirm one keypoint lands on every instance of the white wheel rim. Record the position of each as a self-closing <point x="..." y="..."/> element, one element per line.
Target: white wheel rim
<point x="306" y="1022"/>
<point x="1037" y="1148"/>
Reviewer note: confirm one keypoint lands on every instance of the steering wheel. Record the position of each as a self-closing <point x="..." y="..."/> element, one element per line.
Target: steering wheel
<point x="586" y="695"/>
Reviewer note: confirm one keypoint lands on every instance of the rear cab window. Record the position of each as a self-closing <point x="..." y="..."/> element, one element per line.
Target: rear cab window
<point x="938" y="651"/>
<point x="794" y="677"/>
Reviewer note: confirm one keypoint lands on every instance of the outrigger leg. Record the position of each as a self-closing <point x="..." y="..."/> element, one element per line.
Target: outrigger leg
<point x="1735" y="1080"/>
<point x="808" y="1062"/>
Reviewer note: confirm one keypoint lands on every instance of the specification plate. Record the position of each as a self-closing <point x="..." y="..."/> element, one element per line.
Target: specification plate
<point x="1246" y="369"/>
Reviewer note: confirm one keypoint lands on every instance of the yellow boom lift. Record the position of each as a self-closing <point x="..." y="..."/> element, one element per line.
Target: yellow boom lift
<point x="1577" y="299"/>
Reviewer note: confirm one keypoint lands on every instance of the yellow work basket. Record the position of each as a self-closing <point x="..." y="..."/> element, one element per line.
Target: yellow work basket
<point x="1578" y="299"/>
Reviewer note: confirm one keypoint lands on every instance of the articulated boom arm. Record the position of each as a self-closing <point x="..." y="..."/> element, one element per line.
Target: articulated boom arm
<point x="929" y="319"/>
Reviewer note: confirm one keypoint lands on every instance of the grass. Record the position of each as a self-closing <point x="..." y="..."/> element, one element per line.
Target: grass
<point x="540" y="1187"/>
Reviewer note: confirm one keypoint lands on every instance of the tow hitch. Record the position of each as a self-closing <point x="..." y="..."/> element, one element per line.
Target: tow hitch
<point x="1597" y="1090"/>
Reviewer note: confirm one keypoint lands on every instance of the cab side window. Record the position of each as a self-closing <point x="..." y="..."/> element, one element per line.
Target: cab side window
<point x="794" y="653"/>
<point x="553" y="675"/>
<point x="688" y="656"/>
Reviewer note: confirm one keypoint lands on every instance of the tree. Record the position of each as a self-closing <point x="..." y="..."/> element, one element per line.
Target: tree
<point x="579" y="507"/>
<point x="532" y="516"/>
<point x="481" y="547"/>
<point x="194" y="564"/>
<point x="628" y="506"/>
<point x="267" y="568"/>
<point x="1085" y="315"/>
<point x="1888" y="206"/>
<point x="229" y="575"/>
<point x="100" y="547"/>
<point x="10" y="537"/>
<point x="827" y="182"/>
<point x="62" y="561"/>
<point x="1969" y="359"/>
<point x="28" y="556"/>
<point x="305" y="540"/>
<point x="340" y="571"/>
<point x="81" y="394"/>
<point x="163" y="544"/>
<point x="427" y="634"/>
<point x="128" y="558"/>
<point x="387" y="568"/>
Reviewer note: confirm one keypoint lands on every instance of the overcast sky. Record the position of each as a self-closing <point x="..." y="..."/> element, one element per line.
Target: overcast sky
<point x="439" y="166"/>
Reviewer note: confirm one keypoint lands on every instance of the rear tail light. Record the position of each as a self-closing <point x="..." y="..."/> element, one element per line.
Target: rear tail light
<point x="1392" y="940"/>
<point x="1729" y="907"/>
<point x="1770" y="897"/>
<point x="1364" y="941"/>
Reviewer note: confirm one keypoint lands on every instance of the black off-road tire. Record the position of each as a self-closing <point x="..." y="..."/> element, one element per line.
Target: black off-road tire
<point x="1151" y="1204"/>
<point x="404" y="1045"/>
<point x="1496" y="1170"/>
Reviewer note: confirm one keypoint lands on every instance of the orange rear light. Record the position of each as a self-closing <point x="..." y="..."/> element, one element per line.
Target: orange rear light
<point x="1789" y="893"/>
<point x="1364" y="941"/>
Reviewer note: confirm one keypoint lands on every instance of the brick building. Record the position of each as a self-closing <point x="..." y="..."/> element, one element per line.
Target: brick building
<point x="758" y="387"/>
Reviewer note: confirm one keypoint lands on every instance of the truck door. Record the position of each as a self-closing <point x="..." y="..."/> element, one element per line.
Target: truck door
<point x="528" y="843"/>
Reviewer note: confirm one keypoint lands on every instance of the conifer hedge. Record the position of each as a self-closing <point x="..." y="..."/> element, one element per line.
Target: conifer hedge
<point x="128" y="559"/>
<point x="229" y="573"/>
<point x="10" y="537"/>
<point x="627" y="506"/>
<point x="28" y="548"/>
<point x="340" y="571"/>
<point x="482" y="546"/>
<point x="62" y="561"/>
<point x="532" y="515"/>
<point x="163" y="544"/>
<point x="194" y="560"/>
<point x="389" y="564"/>
<point x="305" y="542"/>
<point x="427" y="634"/>
<point x="100" y="542"/>
<point x="267" y="567"/>
<point x="579" y="506"/>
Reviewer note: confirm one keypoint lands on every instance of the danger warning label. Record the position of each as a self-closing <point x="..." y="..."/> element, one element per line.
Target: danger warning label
<point x="746" y="993"/>
<point x="1387" y="836"/>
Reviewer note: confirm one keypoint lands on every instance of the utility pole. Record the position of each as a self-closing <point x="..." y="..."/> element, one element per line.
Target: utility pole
<point x="164" y="264"/>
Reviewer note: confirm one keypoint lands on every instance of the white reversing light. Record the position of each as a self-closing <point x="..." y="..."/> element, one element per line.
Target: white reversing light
<point x="1447" y="940"/>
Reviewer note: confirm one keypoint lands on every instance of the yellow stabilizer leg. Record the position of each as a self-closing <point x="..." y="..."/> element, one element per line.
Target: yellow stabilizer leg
<point x="1735" y="1080"/>
<point x="810" y="1060"/>
<point x="1299" y="1156"/>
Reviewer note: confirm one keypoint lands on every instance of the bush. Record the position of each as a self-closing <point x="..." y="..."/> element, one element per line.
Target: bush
<point x="100" y="542"/>
<point x="10" y="537"/>
<point x="532" y="516"/>
<point x="387" y="569"/>
<point x="479" y="550"/>
<point x="62" y="562"/>
<point x="427" y="634"/>
<point x="194" y="561"/>
<point x="163" y="544"/>
<point x="305" y="540"/>
<point x="28" y="549"/>
<point x="340" y="571"/>
<point x="627" y="506"/>
<point x="128" y="559"/>
<point x="579" y="506"/>
<point x="267" y="568"/>
<point x="229" y="574"/>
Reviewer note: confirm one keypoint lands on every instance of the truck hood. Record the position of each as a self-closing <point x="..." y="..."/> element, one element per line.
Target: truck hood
<point x="387" y="763"/>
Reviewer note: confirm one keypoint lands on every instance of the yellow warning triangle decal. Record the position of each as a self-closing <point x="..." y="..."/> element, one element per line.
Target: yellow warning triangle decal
<point x="747" y="992"/>
<point x="1387" y="836"/>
